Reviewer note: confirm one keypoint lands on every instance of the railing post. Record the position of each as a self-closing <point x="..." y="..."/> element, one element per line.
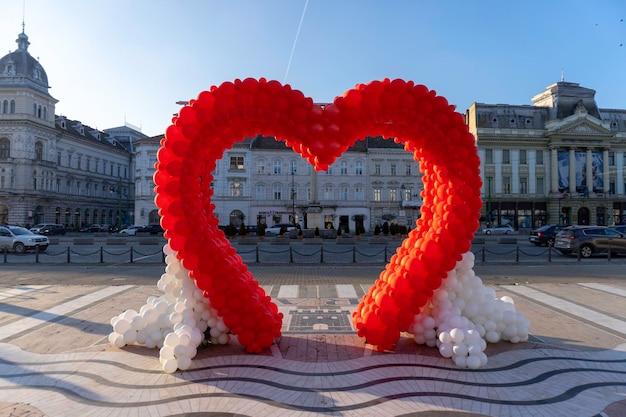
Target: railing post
<point x="578" y="254"/>
<point x="131" y="255"/>
<point x="322" y="254"/>
<point x="353" y="254"/>
<point x="609" y="255"/>
<point x="549" y="254"/>
<point x="68" y="255"/>
<point x="6" y="251"/>
<point x="36" y="254"/>
<point x="483" y="256"/>
<point x="290" y="255"/>
<point x="101" y="255"/>
<point x="257" y="254"/>
<point x="386" y="254"/>
<point x="517" y="254"/>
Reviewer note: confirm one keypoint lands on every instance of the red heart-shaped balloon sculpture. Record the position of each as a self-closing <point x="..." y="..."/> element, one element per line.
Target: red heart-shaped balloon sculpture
<point x="409" y="114"/>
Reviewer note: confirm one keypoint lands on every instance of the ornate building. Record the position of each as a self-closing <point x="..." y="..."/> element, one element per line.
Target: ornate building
<point x="559" y="160"/>
<point x="53" y="169"/>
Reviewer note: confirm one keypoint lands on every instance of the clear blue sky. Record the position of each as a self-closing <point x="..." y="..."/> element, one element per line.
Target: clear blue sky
<point x="110" y="61"/>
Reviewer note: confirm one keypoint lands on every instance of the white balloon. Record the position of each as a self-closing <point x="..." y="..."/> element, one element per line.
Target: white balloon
<point x="473" y="362"/>
<point x="170" y="365"/>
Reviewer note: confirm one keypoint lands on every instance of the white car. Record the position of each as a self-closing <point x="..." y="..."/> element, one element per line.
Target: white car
<point x="131" y="231"/>
<point x="504" y="229"/>
<point x="19" y="239"/>
<point x="275" y="230"/>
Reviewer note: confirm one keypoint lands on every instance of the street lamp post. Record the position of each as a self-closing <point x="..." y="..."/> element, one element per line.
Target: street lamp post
<point x="293" y="196"/>
<point x="489" y="202"/>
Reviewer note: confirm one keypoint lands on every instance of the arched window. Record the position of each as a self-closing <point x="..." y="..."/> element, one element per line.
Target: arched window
<point x="5" y="106"/>
<point x="38" y="151"/>
<point x="45" y="113"/>
<point x="34" y="110"/>
<point x="12" y="106"/>
<point x="5" y="148"/>
<point x="39" y="112"/>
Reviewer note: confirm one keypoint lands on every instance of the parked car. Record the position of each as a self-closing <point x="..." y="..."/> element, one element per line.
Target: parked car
<point x="131" y="231"/>
<point x="590" y="240"/>
<point x="20" y="239"/>
<point x="621" y="229"/>
<point x="503" y="229"/>
<point x="545" y="234"/>
<point x="92" y="228"/>
<point x="48" y="229"/>
<point x="275" y="230"/>
<point x="153" y="229"/>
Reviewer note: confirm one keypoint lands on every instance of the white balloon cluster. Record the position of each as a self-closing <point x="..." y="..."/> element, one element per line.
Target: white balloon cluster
<point x="463" y="315"/>
<point x="176" y="322"/>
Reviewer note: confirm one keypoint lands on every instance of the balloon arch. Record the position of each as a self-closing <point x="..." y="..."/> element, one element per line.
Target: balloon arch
<point x="411" y="114"/>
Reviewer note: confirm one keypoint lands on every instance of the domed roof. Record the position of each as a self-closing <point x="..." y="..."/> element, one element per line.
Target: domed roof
<point x="19" y="66"/>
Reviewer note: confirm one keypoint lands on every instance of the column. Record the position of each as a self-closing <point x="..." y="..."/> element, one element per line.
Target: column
<point x="554" y="171"/>
<point x="572" y="171"/>
<point x="605" y="170"/>
<point x="589" y="170"/>
<point x="531" y="171"/>
<point x="619" y="182"/>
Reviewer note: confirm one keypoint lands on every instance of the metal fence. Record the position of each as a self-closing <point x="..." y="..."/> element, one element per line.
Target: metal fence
<point x="288" y="253"/>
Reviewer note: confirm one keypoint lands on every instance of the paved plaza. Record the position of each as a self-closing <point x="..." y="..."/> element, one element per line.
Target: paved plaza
<point x="55" y="359"/>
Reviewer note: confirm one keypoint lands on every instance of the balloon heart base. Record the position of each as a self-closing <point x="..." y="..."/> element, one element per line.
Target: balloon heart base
<point x="461" y="317"/>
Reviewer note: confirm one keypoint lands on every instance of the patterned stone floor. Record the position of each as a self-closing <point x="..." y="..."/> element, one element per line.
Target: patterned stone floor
<point x="55" y="360"/>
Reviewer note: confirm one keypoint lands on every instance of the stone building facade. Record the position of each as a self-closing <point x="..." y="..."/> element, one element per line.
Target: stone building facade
<point x="54" y="169"/>
<point x="560" y="160"/>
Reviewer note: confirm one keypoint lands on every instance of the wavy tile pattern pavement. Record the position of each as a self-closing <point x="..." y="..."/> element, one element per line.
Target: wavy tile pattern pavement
<point x="94" y="379"/>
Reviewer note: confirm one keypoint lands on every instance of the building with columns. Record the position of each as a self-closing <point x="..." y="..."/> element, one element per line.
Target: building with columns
<point x="558" y="160"/>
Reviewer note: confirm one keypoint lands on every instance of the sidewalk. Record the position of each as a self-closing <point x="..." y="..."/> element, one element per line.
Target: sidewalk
<point x="55" y="359"/>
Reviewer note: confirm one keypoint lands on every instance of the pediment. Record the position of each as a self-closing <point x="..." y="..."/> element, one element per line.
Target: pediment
<point x="580" y="127"/>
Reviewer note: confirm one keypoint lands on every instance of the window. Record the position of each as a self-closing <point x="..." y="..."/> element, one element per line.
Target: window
<point x="343" y="168"/>
<point x="523" y="185"/>
<point x="506" y="156"/>
<point x="330" y="170"/>
<point x="539" y="157"/>
<point x="236" y="188"/>
<point x="278" y="192"/>
<point x="328" y="193"/>
<point x="278" y="167"/>
<point x="392" y="169"/>
<point x="79" y="162"/>
<point x="393" y="194"/>
<point x="12" y="110"/>
<point x="522" y="157"/>
<point x="343" y="193"/>
<point x="260" y="166"/>
<point x="407" y="194"/>
<point x="407" y="169"/>
<point x="5" y="106"/>
<point x="377" y="194"/>
<point x="612" y="159"/>
<point x="358" y="168"/>
<point x="88" y="167"/>
<point x="539" y="187"/>
<point x="506" y="185"/>
<point x="489" y="156"/>
<point x="293" y="167"/>
<point x="377" y="168"/>
<point x="59" y="158"/>
<point x="5" y="148"/>
<point x="612" y="187"/>
<point x="38" y="151"/>
<point x="358" y="193"/>
<point x="236" y="163"/>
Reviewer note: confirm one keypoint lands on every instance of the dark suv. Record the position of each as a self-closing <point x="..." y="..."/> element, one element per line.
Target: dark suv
<point x="48" y="229"/>
<point x="545" y="234"/>
<point x="590" y="240"/>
